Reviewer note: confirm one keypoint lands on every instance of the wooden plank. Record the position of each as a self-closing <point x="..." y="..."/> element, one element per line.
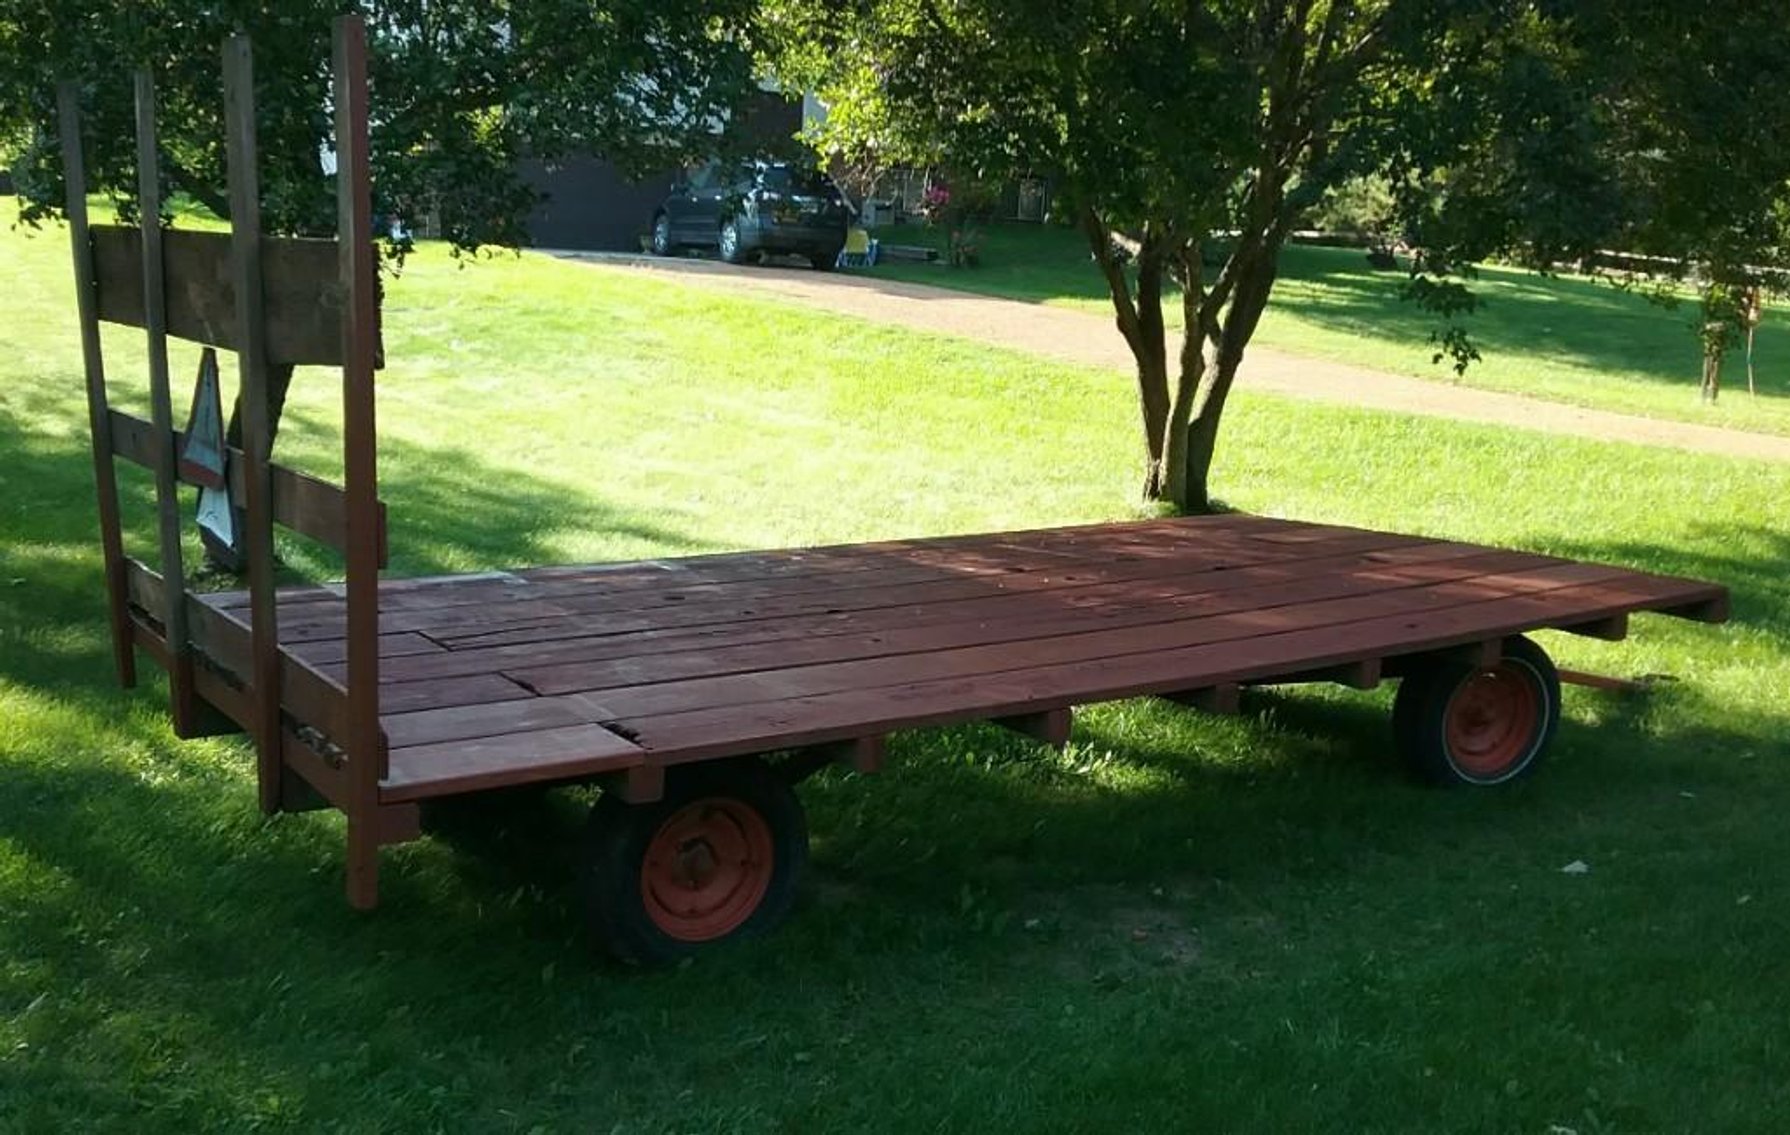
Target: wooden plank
<point x="661" y="680"/>
<point x="404" y="644"/>
<point x="1711" y="609"/>
<point x="309" y="695"/>
<point x="684" y="631"/>
<point x="307" y="505"/>
<point x="528" y="619"/>
<point x="251" y="339"/>
<point x="358" y="328"/>
<point x="489" y="719"/>
<point x="1092" y="649"/>
<point x="1362" y="674"/>
<point x="329" y="779"/>
<point x="210" y="718"/>
<point x="1602" y="682"/>
<point x="607" y="659"/>
<point x="733" y="566"/>
<point x="865" y="756"/>
<point x="1612" y="629"/>
<point x="298" y="279"/>
<point x="475" y="689"/>
<point x="1051" y="726"/>
<point x="730" y="730"/>
<point x="421" y="771"/>
<point x="992" y="562"/>
<point x="99" y="422"/>
<point x="167" y="496"/>
<point x="640" y="784"/>
<point x="1224" y="698"/>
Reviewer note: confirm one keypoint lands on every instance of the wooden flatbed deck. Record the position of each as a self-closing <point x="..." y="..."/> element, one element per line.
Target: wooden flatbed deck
<point x="564" y="672"/>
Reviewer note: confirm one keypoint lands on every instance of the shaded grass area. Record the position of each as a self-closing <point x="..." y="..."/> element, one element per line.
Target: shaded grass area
<point x="1561" y="338"/>
<point x="1178" y="923"/>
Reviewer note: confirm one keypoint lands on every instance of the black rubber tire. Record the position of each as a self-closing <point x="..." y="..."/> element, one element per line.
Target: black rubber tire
<point x="661" y="238"/>
<point x="734" y="253"/>
<point x="824" y="261"/>
<point x="620" y="835"/>
<point x="1420" y="714"/>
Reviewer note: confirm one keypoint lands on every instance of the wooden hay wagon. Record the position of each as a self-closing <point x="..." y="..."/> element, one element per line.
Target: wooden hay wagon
<point x="698" y="691"/>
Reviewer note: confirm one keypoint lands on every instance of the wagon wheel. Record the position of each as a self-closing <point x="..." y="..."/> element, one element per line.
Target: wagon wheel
<point x="718" y="858"/>
<point x="1458" y="723"/>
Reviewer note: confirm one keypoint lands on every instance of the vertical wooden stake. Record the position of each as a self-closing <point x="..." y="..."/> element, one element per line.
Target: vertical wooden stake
<point x="366" y="748"/>
<point x="99" y="421"/>
<point x="167" y="488"/>
<point x="257" y="424"/>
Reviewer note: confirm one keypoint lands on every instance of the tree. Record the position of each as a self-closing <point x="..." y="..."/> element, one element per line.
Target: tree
<point x="1499" y="126"/>
<point x="1701" y="136"/>
<point x="462" y="89"/>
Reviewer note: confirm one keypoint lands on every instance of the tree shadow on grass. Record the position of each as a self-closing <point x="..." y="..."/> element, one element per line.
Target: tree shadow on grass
<point x="1581" y="322"/>
<point x="1752" y="561"/>
<point x="449" y="511"/>
<point x="169" y="915"/>
<point x="1572" y="319"/>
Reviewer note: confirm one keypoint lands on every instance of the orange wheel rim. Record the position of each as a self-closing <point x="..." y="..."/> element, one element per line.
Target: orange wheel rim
<point x="706" y="870"/>
<point x="1492" y="721"/>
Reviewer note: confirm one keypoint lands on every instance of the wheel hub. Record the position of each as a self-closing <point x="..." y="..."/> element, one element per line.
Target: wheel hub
<point x="707" y="869"/>
<point x="1492" y="720"/>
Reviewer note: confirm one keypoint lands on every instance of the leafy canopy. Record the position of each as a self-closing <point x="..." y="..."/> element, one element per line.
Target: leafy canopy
<point x="1536" y="130"/>
<point x="462" y="89"/>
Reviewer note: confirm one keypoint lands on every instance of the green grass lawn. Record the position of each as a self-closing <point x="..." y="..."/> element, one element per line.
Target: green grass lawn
<point x="1565" y="339"/>
<point x="1180" y="923"/>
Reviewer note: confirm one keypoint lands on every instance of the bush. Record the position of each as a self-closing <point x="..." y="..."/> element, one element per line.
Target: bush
<point x="1361" y="205"/>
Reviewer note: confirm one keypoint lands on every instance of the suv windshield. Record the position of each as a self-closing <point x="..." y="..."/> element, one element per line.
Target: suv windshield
<point x="785" y="179"/>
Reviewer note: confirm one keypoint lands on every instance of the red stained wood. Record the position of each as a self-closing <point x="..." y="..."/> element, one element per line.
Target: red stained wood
<point x="299" y="501"/>
<point x="1092" y="648"/>
<point x="517" y="617"/>
<point x="475" y="689"/>
<point x="1139" y="619"/>
<point x="714" y="732"/>
<point x="640" y="656"/>
<point x="490" y="719"/>
<point x="566" y="673"/>
<point x="516" y="758"/>
<point x="304" y="308"/>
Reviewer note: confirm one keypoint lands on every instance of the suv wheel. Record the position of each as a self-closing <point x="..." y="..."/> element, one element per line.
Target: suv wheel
<point x="661" y="235"/>
<point x="730" y="242"/>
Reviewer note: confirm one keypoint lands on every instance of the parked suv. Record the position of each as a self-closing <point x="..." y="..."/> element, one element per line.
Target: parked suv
<point x="744" y="211"/>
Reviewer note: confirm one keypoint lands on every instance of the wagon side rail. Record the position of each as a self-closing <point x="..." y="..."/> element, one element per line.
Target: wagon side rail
<point x="273" y="301"/>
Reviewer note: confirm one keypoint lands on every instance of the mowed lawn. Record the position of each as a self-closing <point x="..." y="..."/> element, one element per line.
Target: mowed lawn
<point x="1180" y="923"/>
<point x="1562" y="338"/>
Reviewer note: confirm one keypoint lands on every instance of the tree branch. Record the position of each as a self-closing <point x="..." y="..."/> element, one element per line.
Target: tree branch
<point x="197" y="188"/>
<point x="1100" y="244"/>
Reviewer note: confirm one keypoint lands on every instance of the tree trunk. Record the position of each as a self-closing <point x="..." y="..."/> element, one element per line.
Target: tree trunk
<point x="1187" y="387"/>
<point x="1140" y="321"/>
<point x="228" y="558"/>
<point x="1201" y="437"/>
<point x="1751" y="388"/>
<point x="1214" y="358"/>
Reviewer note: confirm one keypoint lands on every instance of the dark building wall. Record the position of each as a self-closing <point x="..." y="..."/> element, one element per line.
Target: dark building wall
<point x="589" y="203"/>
